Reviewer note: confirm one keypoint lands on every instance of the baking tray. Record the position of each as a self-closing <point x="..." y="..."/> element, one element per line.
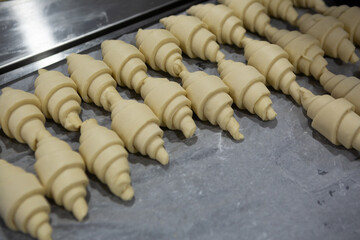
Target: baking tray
<point x="284" y="181"/>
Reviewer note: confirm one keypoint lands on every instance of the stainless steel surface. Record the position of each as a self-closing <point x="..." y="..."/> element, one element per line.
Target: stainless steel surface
<point x="33" y="30"/>
<point x="284" y="181"/>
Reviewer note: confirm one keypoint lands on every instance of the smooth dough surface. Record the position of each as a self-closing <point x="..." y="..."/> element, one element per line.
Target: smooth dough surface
<point x="62" y="173"/>
<point x="251" y="12"/>
<point x="20" y="115"/>
<point x="134" y="122"/>
<point x="272" y="61"/>
<point x="59" y="98"/>
<point x="221" y="21"/>
<point x="283" y="9"/>
<point x="350" y="17"/>
<point x="333" y="118"/>
<point x="329" y="31"/>
<point x="166" y="99"/>
<point x="247" y="88"/>
<point x="105" y="156"/>
<point x="25" y="209"/>
<point x="210" y="100"/>
<point x="194" y="37"/>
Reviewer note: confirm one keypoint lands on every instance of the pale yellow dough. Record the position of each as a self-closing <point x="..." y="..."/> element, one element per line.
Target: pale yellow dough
<point x="283" y="9"/>
<point x="350" y="17"/>
<point x="306" y="55"/>
<point x="60" y="169"/>
<point x="304" y="50"/>
<point x="329" y="31"/>
<point x="272" y="61"/>
<point x="61" y="172"/>
<point x="240" y="80"/>
<point x="59" y="99"/>
<point x="20" y="115"/>
<point x="247" y="88"/>
<point x="162" y="52"/>
<point x="22" y="202"/>
<point x="134" y="122"/>
<point x="221" y="21"/>
<point x="195" y="40"/>
<point x="106" y="157"/>
<point x="166" y="99"/>
<point x="92" y="77"/>
<point x="208" y="94"/>
<point x="251" y="12"/>
<point x="211" y="101"/>
<point x="319" y="5"/>
<point x="341" y="86"/>
<point x="333" y="118"/>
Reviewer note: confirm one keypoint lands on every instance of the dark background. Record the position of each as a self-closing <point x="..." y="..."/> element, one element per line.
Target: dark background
<point x="346" y="2"/>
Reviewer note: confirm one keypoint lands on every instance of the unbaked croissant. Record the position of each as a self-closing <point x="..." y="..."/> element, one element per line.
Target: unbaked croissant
<point x="319" y="5"/>
<point x="195" y="39"/>
<point x="62" y="173"/>
<point x="20" y="115"/>
<point x="106" y="157"/>
<point x="341" y="86"/>
<point x="304" y="50"/>
<point x="59" y="99"/>
<point x="201" y="89"/>
<point x="166" y="99"/>
<point x="210" y="100"/>
<point x="283" y="9"/>
<point x="329" y="31"/>
<point x="247" y="88"/>
<point x="134" y="122"/>
<point x="272" y="61"/>
<point x="161" y="50"/>
<point x="251" y="12"/>
<point x="233" y="81"/>
<point x="60" y="169"/>
<point x="221" y="21"/>
<point x="350" y="17"/>
<point x="333" y="118"/>
<point x="306" y="55"/>
<point x="22" y="202"/>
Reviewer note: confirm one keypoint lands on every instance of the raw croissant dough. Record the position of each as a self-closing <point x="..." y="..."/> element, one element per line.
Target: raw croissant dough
<point x="341" y="86"/>
<point x="333" y="118"/>
<point x="282" y="9"/>
<point x="329" y="31"/>
<point x="166" y="99"/>
<point x="195" y="40"/>
<point x="272" y="61"/>
<point x="60" y="169"/>
<point x="208" y="94"/>
<point x="237" y="88"/>
<point x="304" y="50"/>
<point x="350" y="17"/>
<point x="319" y="5"/>
<point x="106" y="157"/>
<point x="210" y="100"/>
<point x="306" y="55"/>
<point x="22" y="202"/>
<point x="247" y="88"/>
<point x="221" y="21"/>
<point x="59" y="99"/>
<point x="251" y="12"/>
<point x="134" y="122"/>
<point x="20" y="116"/>
<point x="161" y="50"/>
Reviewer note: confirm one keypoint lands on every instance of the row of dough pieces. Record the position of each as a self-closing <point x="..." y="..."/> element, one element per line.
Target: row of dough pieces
<point x="104" y="154"/>
<point x="336" y="28"/>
